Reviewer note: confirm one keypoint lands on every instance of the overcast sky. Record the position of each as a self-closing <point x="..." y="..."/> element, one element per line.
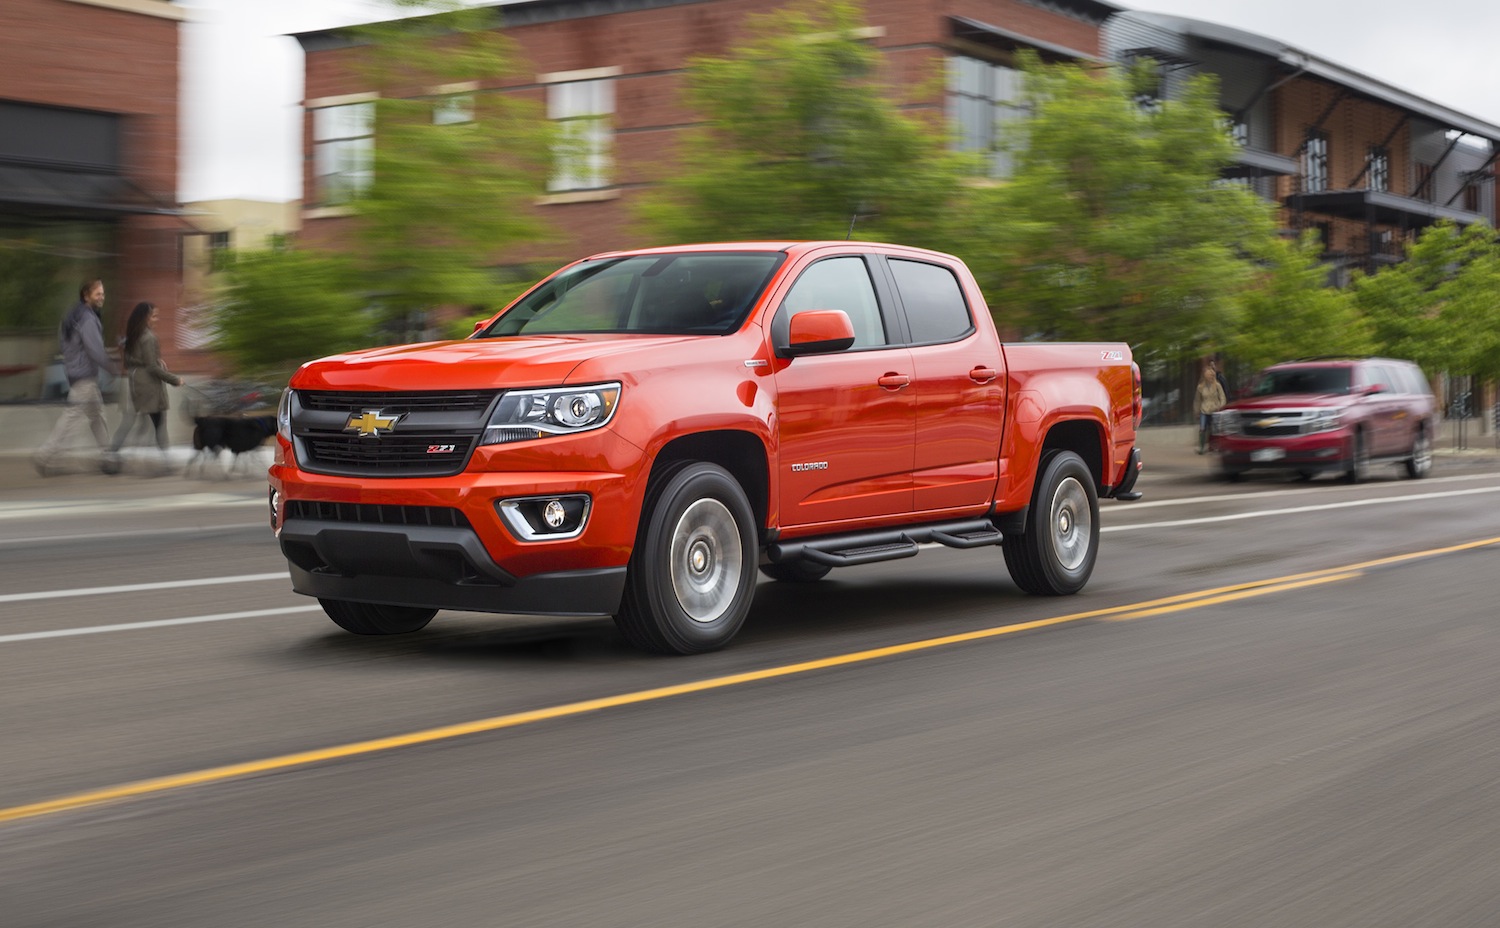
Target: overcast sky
<point x="242" y="77"/>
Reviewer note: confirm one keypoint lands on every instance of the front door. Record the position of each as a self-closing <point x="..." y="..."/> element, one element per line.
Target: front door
<point x="846" y="419"/>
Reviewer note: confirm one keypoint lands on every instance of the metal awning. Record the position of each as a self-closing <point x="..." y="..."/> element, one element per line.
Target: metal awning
<point x="1257" y="162"/>
<point x="1380" y="206"/>
<point x="31" y="186"/>
<point x="974" y="30"/>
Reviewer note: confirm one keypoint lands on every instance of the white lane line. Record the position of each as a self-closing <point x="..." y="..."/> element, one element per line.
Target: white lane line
<point x="1231" y="497"/>
<point x="137" y="533"/>
<point x="158" y="623"/>
<point x="1348" y="504"/>
<point x="139" y="587"/>
<point x="92" y="506"/>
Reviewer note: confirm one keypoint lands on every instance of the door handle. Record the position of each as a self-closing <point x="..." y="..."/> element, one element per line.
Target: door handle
<point x="983" y="374"/>
<point x="894" y="381"/>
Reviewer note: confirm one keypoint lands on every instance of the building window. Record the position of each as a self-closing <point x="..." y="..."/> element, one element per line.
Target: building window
<point x="984" y="99"/>
<point x="1239" y="132"/>
<point x="453" y="110"/>
<point x="344" y="151"/>
<point x="219" y="244"/>
<point x="1471" y="196"/>
<point x="1422" y="180"/>
<point x="1378" y="168"/>
<point x="1315" y="162"/>
<point x="581" y="111"/>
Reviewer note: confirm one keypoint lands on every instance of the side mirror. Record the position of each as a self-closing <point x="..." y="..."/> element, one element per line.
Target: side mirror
<point x="480" y="324"/>
<point x="1373" y="389"/>
<point x="817" y="331"/>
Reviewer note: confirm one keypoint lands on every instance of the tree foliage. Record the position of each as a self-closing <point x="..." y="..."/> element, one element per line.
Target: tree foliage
<point x="446" y="198"/>
<point x="1114" y="225"/>
<point x="799" y="138"/>
<point x="1441" y="306"/>
<point x="286" y="306"/>
<point x="1289" y="311"/>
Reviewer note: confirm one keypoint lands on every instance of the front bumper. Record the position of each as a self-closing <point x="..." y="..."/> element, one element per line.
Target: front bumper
<point x="1318" y="451"/>
<point x="438" y="567"/>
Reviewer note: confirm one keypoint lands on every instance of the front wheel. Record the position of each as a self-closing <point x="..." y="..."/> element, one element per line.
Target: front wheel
<point x="1419" y="464"/>
<point x="1359" y="459"/>
<point x="692" y="575"/>
<point x="1056" y="554"/>
<point x="376" y="619"/>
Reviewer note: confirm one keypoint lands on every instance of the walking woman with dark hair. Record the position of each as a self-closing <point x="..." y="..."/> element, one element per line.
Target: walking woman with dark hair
<point x="148" y="378"/>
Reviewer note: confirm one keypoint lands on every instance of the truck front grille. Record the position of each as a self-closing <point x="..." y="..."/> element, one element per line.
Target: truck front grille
<point x="391" y="455"/>
<point x="330" y="401"/>
<point x="418" y="434"/>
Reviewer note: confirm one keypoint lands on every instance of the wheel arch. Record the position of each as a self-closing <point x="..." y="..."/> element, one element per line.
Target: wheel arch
<point x="741" y="453"/>
<point x="1082" y="437"/>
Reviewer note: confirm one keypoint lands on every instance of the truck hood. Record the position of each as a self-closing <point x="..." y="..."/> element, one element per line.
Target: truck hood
<point x="476" y="363"/>
<point x="1291" y="401"/>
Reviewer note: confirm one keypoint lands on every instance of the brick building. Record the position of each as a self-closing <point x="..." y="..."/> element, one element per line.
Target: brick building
<point x="88" y="169"/>
<point x="625" y="61"/>
<point x="1366" y="164"/>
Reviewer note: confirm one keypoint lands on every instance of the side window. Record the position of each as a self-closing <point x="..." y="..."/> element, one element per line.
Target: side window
<point x="1380" y="374"/>
<point x="839" y="283"/>
<point x="1412" y="380"/>
<point x="934" y="301"/>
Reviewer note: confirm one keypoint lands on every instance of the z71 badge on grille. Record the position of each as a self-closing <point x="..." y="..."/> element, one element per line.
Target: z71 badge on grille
<point x="370" y="423"/>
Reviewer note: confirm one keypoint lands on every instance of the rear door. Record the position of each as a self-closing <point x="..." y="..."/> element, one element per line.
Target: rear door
<point x="846" y="419"/>
<point x="960" y="387"/>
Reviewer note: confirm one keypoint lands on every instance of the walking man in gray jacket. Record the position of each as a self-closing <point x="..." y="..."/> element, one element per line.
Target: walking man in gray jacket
<point x="84" y="360"/>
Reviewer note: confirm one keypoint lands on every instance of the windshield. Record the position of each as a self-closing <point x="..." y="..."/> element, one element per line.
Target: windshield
<point x="1326" y="381"/>
<point x="681" y="294"/>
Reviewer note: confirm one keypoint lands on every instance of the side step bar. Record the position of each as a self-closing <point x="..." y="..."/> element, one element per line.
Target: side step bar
<point x="886" y="544"/>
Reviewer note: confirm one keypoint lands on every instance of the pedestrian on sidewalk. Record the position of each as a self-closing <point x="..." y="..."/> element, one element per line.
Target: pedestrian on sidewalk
<point x="148" y="377"/>
<point x="1208" y="400"/>
<point x="84" y="361"/>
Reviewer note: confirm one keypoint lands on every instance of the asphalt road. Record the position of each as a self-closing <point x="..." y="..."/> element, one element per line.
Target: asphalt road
<point x="1273" y="706"/>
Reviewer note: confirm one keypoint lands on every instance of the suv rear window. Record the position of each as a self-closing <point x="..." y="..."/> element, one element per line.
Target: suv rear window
<point x="1325" y="381"/>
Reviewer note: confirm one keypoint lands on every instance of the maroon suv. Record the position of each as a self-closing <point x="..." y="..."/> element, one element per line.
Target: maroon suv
<point x="1329" y="414"/>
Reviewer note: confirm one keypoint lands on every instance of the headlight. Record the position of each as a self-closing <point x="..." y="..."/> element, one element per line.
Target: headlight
<point x="1225" y="423"/>
<point x="527" y="414"/>
<point x="1324" y="419"/>
<point x="284" y="415"/>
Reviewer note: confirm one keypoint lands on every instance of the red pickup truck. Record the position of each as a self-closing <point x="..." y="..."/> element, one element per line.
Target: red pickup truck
<point x="638" y="433"/>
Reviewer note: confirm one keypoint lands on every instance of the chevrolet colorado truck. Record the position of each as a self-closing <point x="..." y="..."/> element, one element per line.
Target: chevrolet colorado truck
<point x="642" y="431"/>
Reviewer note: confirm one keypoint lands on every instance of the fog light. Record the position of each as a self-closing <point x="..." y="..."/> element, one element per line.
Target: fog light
<point x="554" y="514"/>
<point x="543" y="518"/>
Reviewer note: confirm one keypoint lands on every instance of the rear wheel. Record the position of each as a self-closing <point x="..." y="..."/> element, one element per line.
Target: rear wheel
<point x="376" y="619"/>
<point x="1419" y="464"/>
<point x="798" y="571"/>
<point x="692" y="574"/>
<point x="1055" y="555"/>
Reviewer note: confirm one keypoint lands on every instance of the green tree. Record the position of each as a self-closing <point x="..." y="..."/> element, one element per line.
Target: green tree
<point x="30" y="280"/>
<point x="799" y="138"/>
<point x="1115" y="224"/>
<point x="455" y="173"/>
<point x="1289" y="311"/>
<point x="284" y="306"/>
<point x="1441" y="306"/>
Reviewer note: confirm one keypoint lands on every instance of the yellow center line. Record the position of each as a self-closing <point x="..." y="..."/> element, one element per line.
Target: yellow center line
<point x="512" y="720"/>
<point x="1231" y="597"/>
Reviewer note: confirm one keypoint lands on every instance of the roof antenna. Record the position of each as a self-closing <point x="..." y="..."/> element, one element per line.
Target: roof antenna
<point x="852" y="219"/>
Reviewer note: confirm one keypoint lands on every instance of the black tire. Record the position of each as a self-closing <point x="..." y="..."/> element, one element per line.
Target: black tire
<point x="692" y="574"/>
<point x="1056" y="554"/>
<point x="1419" y="464"/>
<point x="798" y="571"/>
<point x="1358" y="469"/>
<point x="1305" y="475"/>
<point x="375" y="619"/>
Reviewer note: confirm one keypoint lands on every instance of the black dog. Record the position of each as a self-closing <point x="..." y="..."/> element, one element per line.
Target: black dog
<point x="213" y="435"/>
